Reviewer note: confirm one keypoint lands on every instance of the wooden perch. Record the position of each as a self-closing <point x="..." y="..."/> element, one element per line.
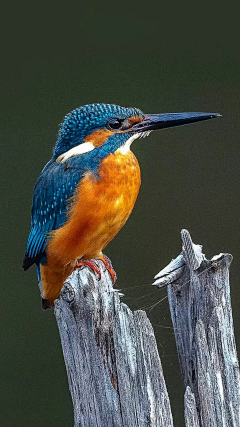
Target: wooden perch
<point x="114" y="370"/>
<point x="200" y="305"/>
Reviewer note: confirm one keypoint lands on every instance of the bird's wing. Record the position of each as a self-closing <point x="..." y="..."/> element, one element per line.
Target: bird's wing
<point x="56" y="184"/>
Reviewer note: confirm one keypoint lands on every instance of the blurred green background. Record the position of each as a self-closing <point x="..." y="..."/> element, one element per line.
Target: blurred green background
<point x="160" y="57"/>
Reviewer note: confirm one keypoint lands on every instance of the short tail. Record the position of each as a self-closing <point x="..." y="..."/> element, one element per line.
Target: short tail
<point x="47" y="303"/>
<point x="27" y="262"/>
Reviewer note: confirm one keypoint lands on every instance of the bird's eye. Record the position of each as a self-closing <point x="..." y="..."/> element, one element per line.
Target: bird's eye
<point x="115" y="123"/>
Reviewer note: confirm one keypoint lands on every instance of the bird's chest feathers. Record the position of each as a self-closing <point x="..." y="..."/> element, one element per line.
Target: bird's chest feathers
<point x="119" y="174"/>
<point x="100" y="207"/>
<point x="110" y="197"/>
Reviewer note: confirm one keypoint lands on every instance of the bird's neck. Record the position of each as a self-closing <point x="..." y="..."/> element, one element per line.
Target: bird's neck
<point x="114" y="142"/>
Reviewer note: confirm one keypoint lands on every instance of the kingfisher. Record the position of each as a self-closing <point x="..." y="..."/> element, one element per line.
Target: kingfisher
<point x="88" y="189"/>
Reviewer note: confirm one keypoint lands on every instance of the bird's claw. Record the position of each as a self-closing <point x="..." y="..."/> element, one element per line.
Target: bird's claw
<point x="91" y="264"/>
<point x="107" y="262"/>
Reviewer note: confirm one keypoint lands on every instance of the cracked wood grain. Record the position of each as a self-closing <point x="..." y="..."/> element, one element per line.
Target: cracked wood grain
<point x="114" y="370"/>
<point x="200" y="305"/>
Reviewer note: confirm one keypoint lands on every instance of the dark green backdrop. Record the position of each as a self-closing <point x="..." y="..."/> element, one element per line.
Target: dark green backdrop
<point x="160" y="57"/>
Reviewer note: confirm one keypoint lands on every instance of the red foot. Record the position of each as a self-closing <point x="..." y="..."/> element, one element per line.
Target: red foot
<point x="106" y="261"/>
<point x="90" y="263"/>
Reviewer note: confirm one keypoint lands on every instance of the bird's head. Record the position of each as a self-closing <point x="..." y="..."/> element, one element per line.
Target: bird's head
<point x="107" y="127"/>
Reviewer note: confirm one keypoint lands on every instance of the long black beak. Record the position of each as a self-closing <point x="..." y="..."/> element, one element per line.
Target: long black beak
<point x="160" y="121"/>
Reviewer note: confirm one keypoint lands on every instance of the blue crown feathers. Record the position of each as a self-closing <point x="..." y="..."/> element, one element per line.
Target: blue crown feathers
<point x="84" y="120"/>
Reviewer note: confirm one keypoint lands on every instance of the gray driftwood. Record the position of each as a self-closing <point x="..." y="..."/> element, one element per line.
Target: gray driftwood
<point x="199" y="298"/>
<point x="114" y="370"/>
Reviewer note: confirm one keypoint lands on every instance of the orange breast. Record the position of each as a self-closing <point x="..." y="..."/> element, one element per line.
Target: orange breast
<point x="101" y="208"/>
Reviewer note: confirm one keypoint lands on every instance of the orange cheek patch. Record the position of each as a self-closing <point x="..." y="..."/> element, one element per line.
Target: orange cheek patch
<point x="99" y="137"/>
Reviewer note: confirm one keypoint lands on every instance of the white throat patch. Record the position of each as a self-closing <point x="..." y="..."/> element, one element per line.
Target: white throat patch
<point x="88" y="146"/>
<point x="124" y="149"/>
<point x="75" y="151"/>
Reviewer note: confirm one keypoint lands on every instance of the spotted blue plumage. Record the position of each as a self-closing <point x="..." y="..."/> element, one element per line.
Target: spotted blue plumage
<point x="49" y="208"/>
<point x="56" y="186"/>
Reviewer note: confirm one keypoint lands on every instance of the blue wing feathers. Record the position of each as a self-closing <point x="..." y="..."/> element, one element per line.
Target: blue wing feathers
<point x="50" y="206"/>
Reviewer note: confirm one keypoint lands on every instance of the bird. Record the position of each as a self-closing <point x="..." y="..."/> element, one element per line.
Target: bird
<point x="86" y="192"/>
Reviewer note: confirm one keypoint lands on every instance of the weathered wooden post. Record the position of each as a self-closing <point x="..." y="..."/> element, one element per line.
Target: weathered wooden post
<point x="199" y="298"/>
<point x="114" y="370"/>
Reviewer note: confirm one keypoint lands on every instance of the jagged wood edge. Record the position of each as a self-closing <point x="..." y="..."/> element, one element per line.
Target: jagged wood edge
<point x="199" y="298"/>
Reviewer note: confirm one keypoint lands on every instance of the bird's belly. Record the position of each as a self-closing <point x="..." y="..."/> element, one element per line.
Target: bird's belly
<point x="101" y="207"/>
